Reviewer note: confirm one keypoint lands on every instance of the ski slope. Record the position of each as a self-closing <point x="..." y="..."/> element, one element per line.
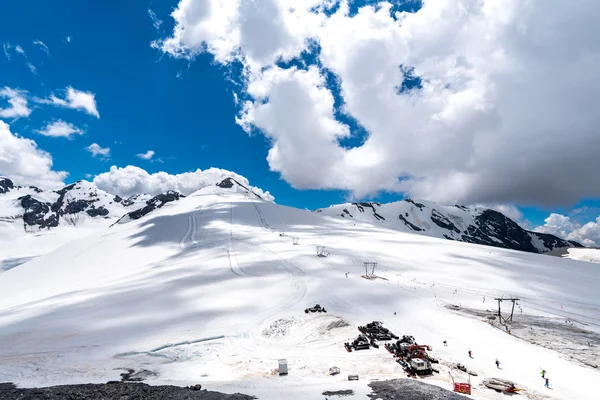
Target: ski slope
<point x="211" y="290"/>
<point x="590" y="255"/>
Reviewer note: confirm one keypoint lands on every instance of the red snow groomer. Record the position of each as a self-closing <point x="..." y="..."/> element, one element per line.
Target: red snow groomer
<point x="413" y="357"/>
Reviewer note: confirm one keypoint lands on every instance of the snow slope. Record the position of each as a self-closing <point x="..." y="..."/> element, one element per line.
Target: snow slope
<point x="211" y="289"/>
<point x="466" y="224"/>
<point x="590" y="255"/>
<point x="34" y="222"/>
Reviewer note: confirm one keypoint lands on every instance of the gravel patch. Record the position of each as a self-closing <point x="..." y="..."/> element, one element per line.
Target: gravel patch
<point x="115" y="390"/>
<point x="410" y="389"/>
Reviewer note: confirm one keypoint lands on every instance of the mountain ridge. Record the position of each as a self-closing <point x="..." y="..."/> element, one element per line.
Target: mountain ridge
<point x="476" y="225"/>
<point x="81" y="202"/>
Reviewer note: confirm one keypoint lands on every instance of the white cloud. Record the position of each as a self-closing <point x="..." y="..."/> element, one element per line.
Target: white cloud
<point x="89" y="176"/>
<point x="562" y="226"/>
<point x="265" y="30"/>
<point x="32" y="68"/>
<point x="131" y="180"/>
<point x="6" y="47"/>
<point x="24" y="163"/>
<point x="19" y="50"/>
<point x="60" y="128"/>
<point x="74" y="99"/>
<point x="96" y="150"/>
<point x="18" y="103"/>
<point x="147" y="155"/>
<point x="68" y="39"/>
<point x="509" y="97"/>
<point x="156" y="22"/>
<point x="43" y="46"/>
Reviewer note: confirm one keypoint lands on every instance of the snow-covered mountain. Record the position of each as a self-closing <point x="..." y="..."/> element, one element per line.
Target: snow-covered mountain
<point x="212" y="288"/>
<point x="466" y="224"/>
<point x="77" y="204"/>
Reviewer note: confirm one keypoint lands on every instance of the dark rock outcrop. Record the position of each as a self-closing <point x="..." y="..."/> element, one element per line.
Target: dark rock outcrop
<point x="410" y="225"/>
<point x="471" y="225"/>
<point x="115" y="390"/>
<point x="410" y="389"/>
<point x="443" y="222"/>
<point x="38" y="213"/>
<point x="6" y="185"/>
<point x="154" y="203"/>
<point x="228" y="183"/>
<point x="420" y="205"/>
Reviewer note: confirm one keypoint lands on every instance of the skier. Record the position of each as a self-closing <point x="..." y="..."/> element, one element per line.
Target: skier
<point x="470" y="354"/>
<point x="543" y="373"/>
<point x="547" y="383"/>
<point x="497" y="364"/>
<point x="484" y="299"/>
<point x="445" y="343"/>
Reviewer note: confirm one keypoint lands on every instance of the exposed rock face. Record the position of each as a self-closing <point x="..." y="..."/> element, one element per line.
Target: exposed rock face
<point x="226" y="183"/>
<point x="440" y="220"/>
<point x="74" y="203"/>
<point x="155" y="203"/>
<point x="472" y="225"/>
<point x="115" y="390"/>
<point x="38" y="213"/>
<point x="6" y="185"/>
<point x="230" y="183"/>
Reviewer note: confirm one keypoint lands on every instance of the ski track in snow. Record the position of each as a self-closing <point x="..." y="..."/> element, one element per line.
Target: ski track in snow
<point x="225" y="322"/>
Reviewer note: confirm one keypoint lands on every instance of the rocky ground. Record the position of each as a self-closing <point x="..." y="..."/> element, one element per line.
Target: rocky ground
<point x="569" y="337"/>
<point x="114" y="390"/>
<point x="410" y="389"/>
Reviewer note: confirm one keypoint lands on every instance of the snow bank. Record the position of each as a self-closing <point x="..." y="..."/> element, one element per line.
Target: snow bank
<point x="211" y="289"/>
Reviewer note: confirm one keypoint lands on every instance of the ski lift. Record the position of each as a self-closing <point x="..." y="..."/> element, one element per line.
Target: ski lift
<point x="321" y="252"/>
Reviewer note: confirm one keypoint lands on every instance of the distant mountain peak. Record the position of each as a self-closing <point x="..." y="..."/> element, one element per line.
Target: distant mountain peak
<point x="231" y="183"/>
<point x="461" y="223"/>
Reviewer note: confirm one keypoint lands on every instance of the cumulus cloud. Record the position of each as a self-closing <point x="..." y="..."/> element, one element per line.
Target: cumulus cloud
<point x="147" y="155"/>
<point x="60" y="128"/>
<point x="75" y="99"/>
<point x="96" y="150"/>
<point x="131" y="180"/>
<point x="18" y="103"/>
<point x="563" y="226"/>
<point x="24" y="163"/>
<point x="508" y="97"/>
<point x="69" y="38"/>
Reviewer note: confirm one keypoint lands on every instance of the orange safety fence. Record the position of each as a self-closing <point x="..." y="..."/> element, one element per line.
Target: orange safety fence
<point x="463" y="388"/>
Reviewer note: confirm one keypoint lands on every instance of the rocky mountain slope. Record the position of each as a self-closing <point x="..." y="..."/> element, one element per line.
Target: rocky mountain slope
<point x="82" y="203"/>
<point x="77" y="204"/>
<point x="473" y="225"/>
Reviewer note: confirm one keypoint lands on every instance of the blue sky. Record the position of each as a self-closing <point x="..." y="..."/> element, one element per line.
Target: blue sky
<point x="142" y="103"/>
<point x="183" y="110"/>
